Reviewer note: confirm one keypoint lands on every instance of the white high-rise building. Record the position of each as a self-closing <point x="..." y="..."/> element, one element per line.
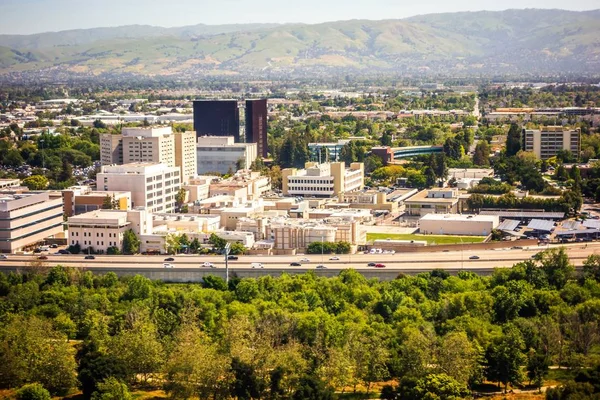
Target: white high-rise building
<point x="155" y="145"/>
<point x="154" y="186"/>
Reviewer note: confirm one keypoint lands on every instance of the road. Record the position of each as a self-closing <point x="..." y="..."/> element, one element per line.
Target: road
<point x="488" y="259"/>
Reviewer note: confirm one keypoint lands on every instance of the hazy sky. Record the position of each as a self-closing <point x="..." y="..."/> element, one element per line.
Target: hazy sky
<point x="33" y="16"/>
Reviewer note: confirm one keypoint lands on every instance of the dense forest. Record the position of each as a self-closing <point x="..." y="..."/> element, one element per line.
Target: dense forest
<point x="430" y="336"/>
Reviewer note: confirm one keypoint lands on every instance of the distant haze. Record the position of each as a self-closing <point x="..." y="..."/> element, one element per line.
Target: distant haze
<point x="34" y="16"/>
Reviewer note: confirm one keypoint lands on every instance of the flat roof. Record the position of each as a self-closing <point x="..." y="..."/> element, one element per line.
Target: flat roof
<point x="421" y="197"/>
<point x="459" y="217"/>
<point x="592" y="223"/>
<point x="524" y="214"/>
<point x="509" y="225"/>
<point x="541" y="225"/>
<point x="577" y="232"/>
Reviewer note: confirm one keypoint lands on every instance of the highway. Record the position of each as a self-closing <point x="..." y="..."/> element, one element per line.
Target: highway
<point x="488" y="259"/>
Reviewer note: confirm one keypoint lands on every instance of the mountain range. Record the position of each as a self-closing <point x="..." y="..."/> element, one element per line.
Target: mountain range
<point x="530" y="41"/>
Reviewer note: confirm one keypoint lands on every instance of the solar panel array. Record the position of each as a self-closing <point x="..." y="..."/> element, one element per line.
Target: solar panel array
<point x="508" y="225"/>
<point x="571" y="225"/>
<point x="541" y="225"/>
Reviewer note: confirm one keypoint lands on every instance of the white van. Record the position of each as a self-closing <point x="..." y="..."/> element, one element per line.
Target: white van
<point x="257" y="265"/>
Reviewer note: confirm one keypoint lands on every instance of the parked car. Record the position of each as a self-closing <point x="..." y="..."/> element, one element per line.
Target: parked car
<point x="474" y="258"/>
<point x="295" y="264"/>
<point x="379" y="265"/>
<point x="208" y="265"/>
<point x="89" y="257"/>
<point x="334" y="258"/>
<point x="3" y="257"/>
<point x="169" y="259"/>
<point x="321" y="266"/>
<point x="54" y="246"/>
<point x="232" y="257"/>
<point x="168" y="265"/>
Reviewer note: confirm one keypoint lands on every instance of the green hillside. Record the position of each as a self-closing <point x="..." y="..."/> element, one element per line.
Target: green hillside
<point x="483" y="42"/>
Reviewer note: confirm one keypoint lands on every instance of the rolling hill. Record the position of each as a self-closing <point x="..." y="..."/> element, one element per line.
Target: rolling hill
<point x="505" y="42"/>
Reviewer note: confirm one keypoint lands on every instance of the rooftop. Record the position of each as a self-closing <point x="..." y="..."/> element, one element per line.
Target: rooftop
<point x="459" y="217"/>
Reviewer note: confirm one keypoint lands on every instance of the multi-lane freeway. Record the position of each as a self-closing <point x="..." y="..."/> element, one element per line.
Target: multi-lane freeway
<point x="468" y="259"/>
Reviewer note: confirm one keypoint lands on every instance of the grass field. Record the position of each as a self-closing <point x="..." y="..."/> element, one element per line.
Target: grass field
<point x="431" y="239"/>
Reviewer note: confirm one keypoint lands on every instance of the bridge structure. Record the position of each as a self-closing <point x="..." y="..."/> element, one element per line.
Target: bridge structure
<point x="389" y="154"/>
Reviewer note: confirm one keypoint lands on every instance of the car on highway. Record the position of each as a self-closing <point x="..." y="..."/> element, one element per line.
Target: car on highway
<point x="62" y="251"/>
<point x="42" y="258"/>
<point x="379" y="265"/>
<point x="321" y="266"/>
<point x="371" y="264"/>
<point x="295" y="264"/>
<point x="334" y="258"/>
<point x="3" y="257"/>
<point x="169" y="259"/>
<point x="257" y="265"/>
<point x="474" y="258"/>
<point x="90" y="257"/>
<point x="208" y="265"/>
<point x="305" y="260"/>
<point x="168" y="265"/>
<point x="232" y="258"/>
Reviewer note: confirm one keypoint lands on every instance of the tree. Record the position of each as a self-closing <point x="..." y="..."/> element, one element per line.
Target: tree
<point x="537" y="367"/>
<point x="513" y="140"/>
<point x="237" y="248"/>
<point x="217" y="242"/>
<point x="131" y="243"/>
<point x="504" y="358"/>
<point x="556" y="265"/>
<point x="33" y="391"/>
<point x="112" y="389"/>
<point x="180" y="198"/>
<point x="431" y="386"/>
<point x="195" y="245"/>
<point x="66" y="172"/>
<point x="13" y="158"/>
<point x="482" y="154"/>
<point x="36" y="182"/>
<point x="31" y="350"/>
<point x="109" y="203"/>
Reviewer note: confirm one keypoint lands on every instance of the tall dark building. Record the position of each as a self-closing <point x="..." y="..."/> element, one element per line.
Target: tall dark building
<point x="256" y="125"/>
<point x="217" y="118"/>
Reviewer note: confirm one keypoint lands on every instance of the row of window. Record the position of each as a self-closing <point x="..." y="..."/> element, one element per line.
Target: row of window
<point x="90" y="243"/>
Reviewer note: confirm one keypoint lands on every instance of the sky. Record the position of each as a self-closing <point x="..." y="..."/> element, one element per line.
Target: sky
<point x="34" y="16"/>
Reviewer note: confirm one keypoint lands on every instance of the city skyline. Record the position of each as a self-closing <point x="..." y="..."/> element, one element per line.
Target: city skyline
<point x="45" y="16"/>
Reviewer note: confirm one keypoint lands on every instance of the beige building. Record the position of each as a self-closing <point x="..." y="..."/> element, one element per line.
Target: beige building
<point x="102" y="229"/>
<point x="458" y="224"/>
<point x="27" y="218"/>
<point x="245" y="185"/>
<point x="198" y="188"/>
<point x="222" y="155"/>
<point x="154" y="186"/>
<point x="323" y="180"/>
<point x="549" y="140"/>
<point x="371" y="200"/>
<point x="153" y="145"/>
<point x="433" y="201"/>
<point x="82" y="199"/>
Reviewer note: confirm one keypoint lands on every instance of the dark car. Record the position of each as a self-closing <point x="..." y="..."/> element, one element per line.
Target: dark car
<point x="295" y="264"/>
<point x="38" y="250"/>
<point x="62" y="251"/>
<point x="53" y="246"/>
<point x="42" y="258"/>
<point x="90" y="257"/>
<point x="232" y="257"/>
<point x="169" y="259"/>
<point x="371" y="264"/>
<point x="474" y="258"/>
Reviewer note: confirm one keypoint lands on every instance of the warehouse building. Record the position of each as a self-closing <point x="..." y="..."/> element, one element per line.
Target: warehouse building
<point x="458" y="224"/>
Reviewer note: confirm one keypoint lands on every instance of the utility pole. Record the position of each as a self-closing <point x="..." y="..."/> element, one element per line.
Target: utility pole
<point x="226" y="252"/>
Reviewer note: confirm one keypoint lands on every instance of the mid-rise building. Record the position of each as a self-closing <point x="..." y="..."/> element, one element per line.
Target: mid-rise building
<point x="433" y="201"/>
<point x="99" y="230"/>
<point x="27" y="218"/>
<point x="154" y="186"/>
<point x="222" y="155"/>
<point x="323" y="180"/>
<point x="154" y="145"/>
<point x="549" y="140"/>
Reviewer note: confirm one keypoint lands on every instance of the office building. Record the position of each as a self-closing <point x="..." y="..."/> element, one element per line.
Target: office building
<point x="99" y="230"/>
<point x="223" y="155"/>
<point x="154" y="186"/>
<point x="323" y="180"/>
<point x="82" y="199"/>
<point x="549" y="140"/>
<point x="27" y="218"/>
<point x="153" y="145"/>
<point x="434" y="201"/>
<point x="256" y="125"/>
<point x="185" y="154"/>
<point x="458" y="224"/>
<point x="217" y="118"/>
